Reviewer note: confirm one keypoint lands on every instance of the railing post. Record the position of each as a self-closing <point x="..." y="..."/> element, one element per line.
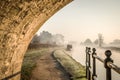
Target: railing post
<point x="94" y="63"/>
<point x="86" y="62"/>
<point x="108" y="59"/>
<point x="89" y="66"/>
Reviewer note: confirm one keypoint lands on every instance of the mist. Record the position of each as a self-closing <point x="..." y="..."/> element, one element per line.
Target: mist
<point x="83" y="19"/>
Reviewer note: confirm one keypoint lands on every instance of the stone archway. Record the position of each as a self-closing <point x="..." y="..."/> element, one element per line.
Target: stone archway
<point x="19" y="21"/>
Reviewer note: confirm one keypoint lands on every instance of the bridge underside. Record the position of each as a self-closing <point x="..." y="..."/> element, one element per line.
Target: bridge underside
<point x="19" y="21"/>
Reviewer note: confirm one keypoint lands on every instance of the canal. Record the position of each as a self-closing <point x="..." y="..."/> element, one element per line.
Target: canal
<point x="79" y="55"/>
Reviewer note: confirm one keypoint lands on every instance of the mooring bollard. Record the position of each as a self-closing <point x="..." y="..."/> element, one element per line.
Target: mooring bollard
<point x="106" y="61"/>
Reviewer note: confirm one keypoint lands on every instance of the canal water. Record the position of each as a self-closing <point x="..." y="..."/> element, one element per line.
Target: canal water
<point x="79" y="55"/>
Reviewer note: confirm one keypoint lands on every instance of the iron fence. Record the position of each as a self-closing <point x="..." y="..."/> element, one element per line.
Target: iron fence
<point x="108" y="64"/>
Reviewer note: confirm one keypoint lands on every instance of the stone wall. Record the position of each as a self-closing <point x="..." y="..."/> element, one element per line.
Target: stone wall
<point x="19" y="21"/>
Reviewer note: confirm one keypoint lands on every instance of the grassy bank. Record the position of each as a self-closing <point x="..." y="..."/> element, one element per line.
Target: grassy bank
<point x="75" y="69"/>
<point x="29" y="62"/>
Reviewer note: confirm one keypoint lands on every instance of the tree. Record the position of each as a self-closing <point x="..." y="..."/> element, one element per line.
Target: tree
<point x="58" y="39"/>
<point x="35" y="39"/>
<point x="88" y="42"/>
<point x="100" y="40"/>
<point x="116" y="41"/>
<point x="96" y="41"/>
<point x="48" y="38"/>
<point x="45" y="37"/>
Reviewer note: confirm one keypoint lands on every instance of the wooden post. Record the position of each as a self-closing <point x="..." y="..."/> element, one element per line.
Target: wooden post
<point x="94" y="63"/>
<point x="108" y="59"/>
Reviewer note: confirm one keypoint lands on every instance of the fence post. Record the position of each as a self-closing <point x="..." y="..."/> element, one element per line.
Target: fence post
<point x="86" y="62"/>
<point x="108" y="59"/>
<point x="89" y="62"/>
<point x="94" y="63"/>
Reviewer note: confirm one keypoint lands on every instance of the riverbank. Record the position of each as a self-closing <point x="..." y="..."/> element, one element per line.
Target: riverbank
<point x="43" y="64"/>
<point x="73" y="68"/>
<point x="39" y="64"/>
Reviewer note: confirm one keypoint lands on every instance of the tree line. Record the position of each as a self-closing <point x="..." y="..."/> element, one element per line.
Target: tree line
<point x="100" y="41"/>
<point x="46" y="37"/>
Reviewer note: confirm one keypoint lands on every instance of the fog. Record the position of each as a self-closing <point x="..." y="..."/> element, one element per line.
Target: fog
<point x="83" y="19"/>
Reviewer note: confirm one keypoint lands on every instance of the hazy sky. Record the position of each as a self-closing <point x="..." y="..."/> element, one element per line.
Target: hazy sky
<point x="83" y="19"/>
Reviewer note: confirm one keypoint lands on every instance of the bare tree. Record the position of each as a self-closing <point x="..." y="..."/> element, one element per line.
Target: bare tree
<point x="100" y="40"/>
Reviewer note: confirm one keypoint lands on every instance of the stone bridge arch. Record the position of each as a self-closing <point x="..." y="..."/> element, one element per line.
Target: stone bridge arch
<point x="19" y="21"/>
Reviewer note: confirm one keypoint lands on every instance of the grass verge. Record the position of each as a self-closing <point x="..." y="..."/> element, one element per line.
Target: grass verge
<point x="29" y="62"/>
<point x="75" y="69"/>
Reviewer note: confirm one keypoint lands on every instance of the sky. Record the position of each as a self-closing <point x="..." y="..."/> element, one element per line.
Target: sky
<point x="82" y="19"/>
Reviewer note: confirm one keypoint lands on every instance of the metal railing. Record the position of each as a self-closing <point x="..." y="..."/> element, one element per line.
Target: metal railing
<point x="108" y="64"/>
